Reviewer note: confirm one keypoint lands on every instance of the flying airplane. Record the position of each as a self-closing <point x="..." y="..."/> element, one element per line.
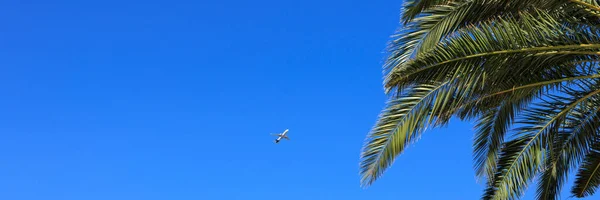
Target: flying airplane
<point x="281" y="135"/>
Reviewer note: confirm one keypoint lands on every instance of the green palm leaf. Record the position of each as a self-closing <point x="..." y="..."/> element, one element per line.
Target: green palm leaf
<point x="572" y="144"/>
<point x="489" y="60"/>
<point x="521" y="158"/>
<point x="588" y="176"/>
<point x="437" y="21"/>
<point x="400" y="123"/>
<point x="488" y="41"/>
<point x="489" y="136"/>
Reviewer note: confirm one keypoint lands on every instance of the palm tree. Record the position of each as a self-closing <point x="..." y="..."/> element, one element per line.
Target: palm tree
<point x="525" y="70"/>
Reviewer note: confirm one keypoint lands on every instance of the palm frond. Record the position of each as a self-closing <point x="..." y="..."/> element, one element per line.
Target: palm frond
<point x="440" y="18"/>
<point x="553" y="177"/>
<point x="570" y="146"/>
<point x="489" y="136"/>
<point x="588" y="176"/>
<point x="476" y="46"/>
<point x="522" y="157"/>
<point x="490" y="60"/>
<point x="413" y="8"/>
<point x="555" y="168"/>
<point x="506" y="104"/>
<point x="399" y="124"/>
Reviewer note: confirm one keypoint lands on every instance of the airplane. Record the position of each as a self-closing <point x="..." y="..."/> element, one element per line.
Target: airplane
<point x="281" y="135"/>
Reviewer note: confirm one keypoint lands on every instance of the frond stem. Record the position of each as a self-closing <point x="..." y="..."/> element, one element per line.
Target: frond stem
<point x="590" y="6"/>
<point x="523" y="87"/>
<point x="537" y="84"/>
<point x="548" y="48"/>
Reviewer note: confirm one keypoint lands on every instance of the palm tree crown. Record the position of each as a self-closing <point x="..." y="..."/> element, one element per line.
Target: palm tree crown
<point x="526" y="71"/>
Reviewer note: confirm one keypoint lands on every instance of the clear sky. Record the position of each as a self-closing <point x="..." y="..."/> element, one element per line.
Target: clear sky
<point x="149" y="100"/>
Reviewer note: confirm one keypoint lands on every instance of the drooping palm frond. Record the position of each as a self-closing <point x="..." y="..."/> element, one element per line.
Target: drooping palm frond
<point x="522" y="157"/>
<point x="517" y="88"/>
<point x="492" y="125"/>
<point x="440" y="18"/>
<point x="506" y="101"/>
<point x="397" y="63"/>
<point x="588" y="176"/>
<point x="572" y="143"/>
<point x="443" y="20"/>
<point x="553" y="176"/>
<point x="488" y="60"/>
<point x="491" y="44"/>
<point x="399" y="124"/>
<point x="491" y="129"/>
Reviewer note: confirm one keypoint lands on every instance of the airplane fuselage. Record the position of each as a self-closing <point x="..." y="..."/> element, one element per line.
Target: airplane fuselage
<point x="281" y="136"/>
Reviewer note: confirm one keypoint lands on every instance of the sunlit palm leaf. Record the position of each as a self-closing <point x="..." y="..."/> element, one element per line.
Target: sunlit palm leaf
<point x="440" y="18"/>
<point x="399" y="124"/>
<point x="488" y="60"/>
<point x="521" y="158"/>
<point x="490" y="133"/>
<point x="571" y="145"/>
<point x="497" y="41"/>
<point x="412" y="8"/>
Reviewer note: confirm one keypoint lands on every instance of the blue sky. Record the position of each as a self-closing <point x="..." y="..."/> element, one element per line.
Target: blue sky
<point x="177" y="99"/>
